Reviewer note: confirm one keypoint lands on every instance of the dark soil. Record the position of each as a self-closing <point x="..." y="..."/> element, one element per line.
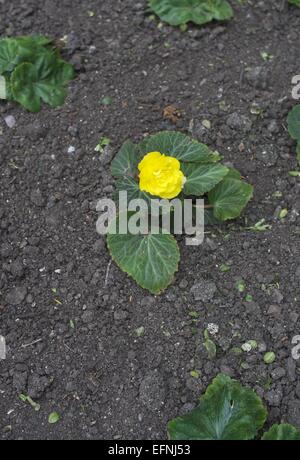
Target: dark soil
<point x="70" y="318"/>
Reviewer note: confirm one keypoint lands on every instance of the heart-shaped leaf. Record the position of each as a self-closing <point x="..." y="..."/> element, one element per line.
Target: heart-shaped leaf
<point x="226" y="411"/>
<point x="180" y="146"/>
<point x="177" y="12"/>
<point x="229" y="198"/>
<point x="283" y="432"/>
<point x="202" y="178"/>
<point x="151" y="260"/>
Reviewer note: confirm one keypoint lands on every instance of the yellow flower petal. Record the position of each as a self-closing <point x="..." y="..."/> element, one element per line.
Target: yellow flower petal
<point x="160" y="175"/>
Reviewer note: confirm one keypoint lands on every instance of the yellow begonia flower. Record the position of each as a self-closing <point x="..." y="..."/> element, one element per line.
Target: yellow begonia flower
<point x="161" y="176"/>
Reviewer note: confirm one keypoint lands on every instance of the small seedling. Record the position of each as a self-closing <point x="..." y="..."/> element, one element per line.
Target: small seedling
<point x="106" y="101"/>
<point x="54" y="417"/>
<point x="249" y="345"/>
<point x="249" y="298"/>
<point x="266" y="56"/>
<point x="194" y="314"/>
<point x="183" y="27"/>
<point x="283" y="213"/>
<point x="29" y="400"/>
<point x="253" y="344"/>
<point x="241" y="286"/>
<point x="246" y="347"/>
<point x="255" y="109"/>
<point x="267" y="385"/>
<point x="140" y="331"/>
<point x="195" y="374"/>
<point x="269" y="357"/>
<point x="260" y="226"/>
<point x="224" y="268"/>
<point x="103" y="142"/>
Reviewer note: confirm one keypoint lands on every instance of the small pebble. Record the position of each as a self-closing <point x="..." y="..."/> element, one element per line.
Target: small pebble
<point x="10" y="121"/>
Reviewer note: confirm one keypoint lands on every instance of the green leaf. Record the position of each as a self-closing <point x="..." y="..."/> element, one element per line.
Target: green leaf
<point x="177" y="12"/>
<point x="269" y="357"/>
<point x="211" y="348"/>
<point x="14" y="51"/>
<point x="298" y="152"/>
<point x="8" y="54"/>
<point x="233" y="174"/>
<point x="209" y="218"/>
<point x="54" y="417"/>
<point x="224" y="268"/>
<point x="241" y="286"/>
<point x="126" y="161"/>
<point x="106" y="101"/>
<point x="291" y="173"/>
<point x="202" y="178"/>
<point x="282" y="432"/>
<point x="229" y="198"/>
<point x="28" y="89"/>
<point x="293" y="120"/>
<point x="103" y="142"/>
<point x="31" y="47"/>
<point x="226" y="411"/>
<point x="195" y="374"/>
<point x="295" y="2"/>
<point x="151" y="260"/>
<point x="33" y="71"/>
<point x="32" y="40"/>
<point x="260" y="226"/>
<point x="283" y="213"/>
<point x="130" y="185"/>
<point x="45" y="79"/>
<point x="178" y="145"/>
